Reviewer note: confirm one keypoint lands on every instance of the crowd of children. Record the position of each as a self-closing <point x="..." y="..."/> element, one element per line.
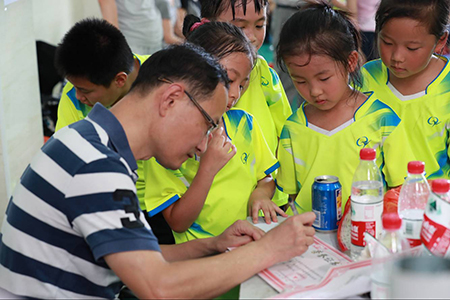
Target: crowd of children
<point x="261" y="153"/>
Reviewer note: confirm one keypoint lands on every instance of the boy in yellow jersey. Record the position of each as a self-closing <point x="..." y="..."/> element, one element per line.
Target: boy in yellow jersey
<point x="413" y="79"/>
<point x="265" y="97"/>
<point x="100" y="67"/>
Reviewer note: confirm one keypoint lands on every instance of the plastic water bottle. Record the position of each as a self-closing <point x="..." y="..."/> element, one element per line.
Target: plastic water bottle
<point x="391" y="241"/>
<point x="366" y="201"/>
<point x="435" y="234"/>
<point x="412" y="202"/>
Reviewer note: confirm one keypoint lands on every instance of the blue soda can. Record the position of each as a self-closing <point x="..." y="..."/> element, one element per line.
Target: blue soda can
<point x="326" y="202"/>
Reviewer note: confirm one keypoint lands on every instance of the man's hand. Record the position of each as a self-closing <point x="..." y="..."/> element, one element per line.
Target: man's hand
<point x="238" y="234"/>
<point x="219" y="151"/>
<point x="290" y="238"/>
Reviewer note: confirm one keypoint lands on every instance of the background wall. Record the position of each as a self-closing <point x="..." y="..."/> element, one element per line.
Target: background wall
<point x="52" y="18"/>
<point x="22" y="22"/>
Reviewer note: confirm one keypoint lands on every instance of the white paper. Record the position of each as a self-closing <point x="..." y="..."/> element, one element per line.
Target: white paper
<point x="305" y="270"/>
<point x="340" y="283"/>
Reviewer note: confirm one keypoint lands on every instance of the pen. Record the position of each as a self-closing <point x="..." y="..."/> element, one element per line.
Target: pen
<point x="292" y="205"/>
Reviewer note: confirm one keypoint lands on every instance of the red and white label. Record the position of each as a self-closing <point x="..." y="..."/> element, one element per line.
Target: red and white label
<point x="358" y="229"/>
<point x="435" y="233"/>
<point x="435" y="237"/>
<point x="365" y="218"/>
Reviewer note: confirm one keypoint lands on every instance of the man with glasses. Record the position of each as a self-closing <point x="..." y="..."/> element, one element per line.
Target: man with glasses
<point x="73" y="227"/>
<point x="95" y="58"/>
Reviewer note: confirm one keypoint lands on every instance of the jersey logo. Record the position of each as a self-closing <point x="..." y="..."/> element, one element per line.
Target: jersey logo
<point x="132" y="208"/>
<point x="433" y="121"/>
<point x="264" y="81"/>
<point x="362" y="141"/>
<point x="244" y="158"/>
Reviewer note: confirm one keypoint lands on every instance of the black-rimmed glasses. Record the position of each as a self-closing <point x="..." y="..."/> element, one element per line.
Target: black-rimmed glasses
<point x="208" y="118"/>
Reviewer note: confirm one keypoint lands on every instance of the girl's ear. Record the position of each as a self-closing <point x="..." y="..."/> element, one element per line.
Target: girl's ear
<point x="353" y="60"/>
<point x="440" y="45"/>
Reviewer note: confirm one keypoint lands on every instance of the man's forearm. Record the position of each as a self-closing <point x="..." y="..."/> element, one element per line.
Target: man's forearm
<point x="192" y="249"/>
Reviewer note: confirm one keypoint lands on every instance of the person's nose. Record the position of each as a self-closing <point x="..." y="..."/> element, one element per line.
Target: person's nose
<point x="80" y="96"/>
<point x="250" y="35"/>
<point x="397" y="55"/>
<point x="233" y="96"/>
<point x="315" y="90"/>
<point x="203" y="145"/>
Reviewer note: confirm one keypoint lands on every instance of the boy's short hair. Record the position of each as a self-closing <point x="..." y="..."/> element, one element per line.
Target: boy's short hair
<point x="212" y="9"/>
<point x="188" y="63"/>
<point x="94" y="49"/>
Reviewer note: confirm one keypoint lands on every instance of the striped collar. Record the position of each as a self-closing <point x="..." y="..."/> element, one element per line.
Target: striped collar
<point x="117" y="138"/>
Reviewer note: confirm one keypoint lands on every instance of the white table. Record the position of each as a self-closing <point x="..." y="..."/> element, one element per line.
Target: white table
<point x="256" y="288"/>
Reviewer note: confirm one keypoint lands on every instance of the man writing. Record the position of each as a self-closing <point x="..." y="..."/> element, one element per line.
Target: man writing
<point x="73" y="227"/>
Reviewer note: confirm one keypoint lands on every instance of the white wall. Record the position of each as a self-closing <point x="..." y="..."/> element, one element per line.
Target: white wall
<point x="20" y="112"/>
<point x="53" y="18"/>
<point x="22" y="23"/>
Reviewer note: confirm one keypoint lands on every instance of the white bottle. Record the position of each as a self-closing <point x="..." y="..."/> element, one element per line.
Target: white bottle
<point x="366" y="201"/>
<point x="412" y="202"/>
<point x="435" y="234"/>
<point x="391" y="241"/>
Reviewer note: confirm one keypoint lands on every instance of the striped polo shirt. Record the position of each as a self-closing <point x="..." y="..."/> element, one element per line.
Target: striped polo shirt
<point x="75" y="203"/>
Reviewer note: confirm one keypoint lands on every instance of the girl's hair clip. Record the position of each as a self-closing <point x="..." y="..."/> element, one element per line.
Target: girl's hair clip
<point x="198" y="24"/>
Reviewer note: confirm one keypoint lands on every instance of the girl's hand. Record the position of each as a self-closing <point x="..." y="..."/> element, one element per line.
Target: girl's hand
<point x="219" y="151"/>
<point x="269" y="208"/>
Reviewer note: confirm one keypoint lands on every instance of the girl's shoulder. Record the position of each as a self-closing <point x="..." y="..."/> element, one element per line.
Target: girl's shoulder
<point x="374" y="107"/>
<point x="375" y="69"/>
<point x="298" y="116"/>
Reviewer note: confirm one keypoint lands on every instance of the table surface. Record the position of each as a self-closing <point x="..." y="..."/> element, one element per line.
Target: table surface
<point x="257" y="288"/>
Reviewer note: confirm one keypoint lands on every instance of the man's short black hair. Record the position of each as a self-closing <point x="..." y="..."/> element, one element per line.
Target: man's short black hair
<point x="94" y="49"/>
<point x="188" y="63"/>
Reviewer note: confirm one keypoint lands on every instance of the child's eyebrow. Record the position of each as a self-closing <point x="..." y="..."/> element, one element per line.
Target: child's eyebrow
<point x="245" y="20"/>
<point x="322" y="72"/>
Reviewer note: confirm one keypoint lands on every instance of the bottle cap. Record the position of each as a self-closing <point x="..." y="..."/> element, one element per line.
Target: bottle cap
<point x="440" y="186"/>
<point x="391" y="221"/>
<point x="367" y="154"/>
<point x="416" y="167"/>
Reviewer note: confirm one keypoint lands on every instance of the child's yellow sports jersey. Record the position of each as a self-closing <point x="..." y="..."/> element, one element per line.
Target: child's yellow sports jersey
<point x="229" y="193"/>
<point x="71" y="110"/>
<point x="425" y="116"/>
<point x="266" y="100"/>
<point x="305" y="153"/>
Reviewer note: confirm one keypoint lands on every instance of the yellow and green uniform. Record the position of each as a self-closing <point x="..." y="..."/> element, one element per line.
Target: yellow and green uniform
<point x="425" y="117"/>
<point x="306" y="151"/>
<point x="266" y="100"/>
<point x="71" y="110"/>
<point x="232" y="186"/>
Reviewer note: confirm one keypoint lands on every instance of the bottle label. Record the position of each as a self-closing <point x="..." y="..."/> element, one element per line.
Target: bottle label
<point x="365" y="218"/>
<point x="411" y="228"/>
<point x="435" y="233"/>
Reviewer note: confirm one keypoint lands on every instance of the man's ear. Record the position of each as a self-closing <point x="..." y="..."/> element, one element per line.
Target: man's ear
<point x="169" y="97"/>
<point x="120" y="79"/>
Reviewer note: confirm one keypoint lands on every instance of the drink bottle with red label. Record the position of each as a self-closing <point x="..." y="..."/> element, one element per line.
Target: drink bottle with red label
<point x="366" y="201"/>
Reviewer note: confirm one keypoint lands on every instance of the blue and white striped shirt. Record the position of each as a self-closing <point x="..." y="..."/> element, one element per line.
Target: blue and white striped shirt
<point x="75" y="203"/>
